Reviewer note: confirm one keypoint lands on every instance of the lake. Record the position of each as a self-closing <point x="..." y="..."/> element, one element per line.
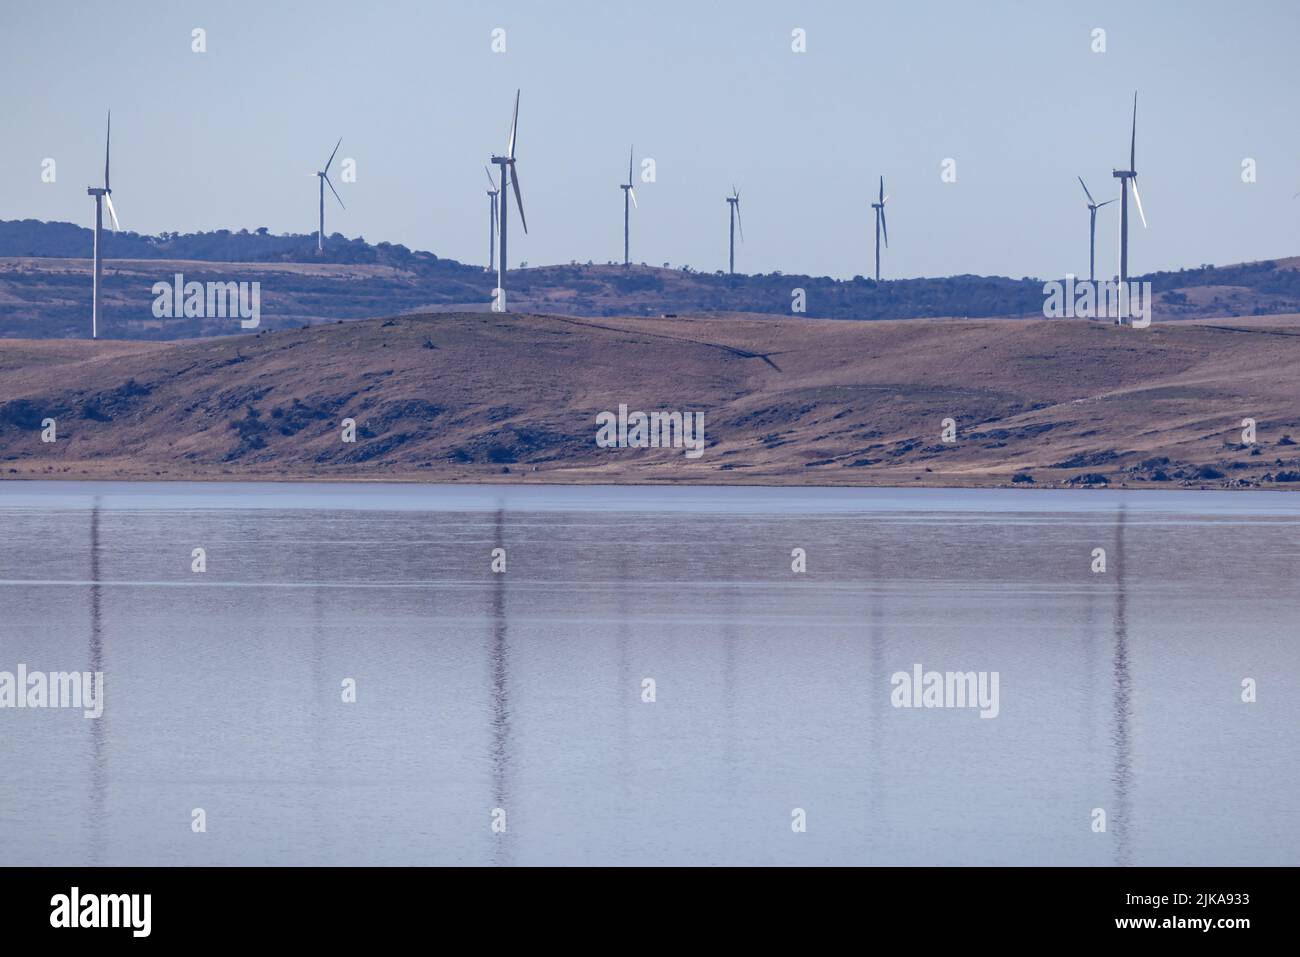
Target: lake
<point x="519" y="697"/>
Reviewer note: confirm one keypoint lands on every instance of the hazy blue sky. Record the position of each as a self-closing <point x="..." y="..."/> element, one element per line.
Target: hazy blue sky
<point x="710" y="90"/>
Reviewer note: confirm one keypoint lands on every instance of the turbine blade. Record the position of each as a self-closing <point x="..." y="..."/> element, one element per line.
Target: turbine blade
<point x="884" y="201"/>
<point x="331" y="159"/>
<point x="514" y="127"/>
<point x="739" y="224"/>
<point x="519" y="199"/>
<point x="632" y="195"/>
<point x="108" y="139"/>
<point x="1138" y="197"/>
<point x="1107" y="203"/>
<point x="1132" y="147"/>
<point x="112" y="213"/>
<point x="884" y="226"/>
<point x="1085" y="191"/>
<point x="882" y="189"/>
<point x="490" y="178"/>
<point x="629" y="164"/>
<point x="333" y="190"/>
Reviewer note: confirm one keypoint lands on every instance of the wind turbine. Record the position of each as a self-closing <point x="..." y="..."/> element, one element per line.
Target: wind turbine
<point x="734" y="202"/>
<point x="880" y="224"/>
<point x="492" y="221"/>
<point x="508" y="174"/>
<point x="627" y="194"/>
<point x="1128" y="177"/>
<point x="102" y="196"/>
<point x="324" y="177"/>
<point x="1093" y="206"/>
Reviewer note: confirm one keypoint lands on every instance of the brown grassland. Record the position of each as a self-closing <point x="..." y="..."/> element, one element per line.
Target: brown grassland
<point x="481" y="397"/>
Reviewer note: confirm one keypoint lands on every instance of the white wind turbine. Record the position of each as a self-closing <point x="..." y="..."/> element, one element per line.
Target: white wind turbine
<point x="628" y="193"/>
<point x="1128" y="178"/>
<point x="879" y="207"/>
<point x="493" y="193"/>
<point x="324" y="177"/>
<point x="733" y="202"/>
<point x="102" y="196"/>
<point x="511" y="177"/>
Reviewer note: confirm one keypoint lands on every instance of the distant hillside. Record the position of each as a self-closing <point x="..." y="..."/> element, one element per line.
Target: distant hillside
<point x="785" y="401"/>
<point x="45" y="285"/>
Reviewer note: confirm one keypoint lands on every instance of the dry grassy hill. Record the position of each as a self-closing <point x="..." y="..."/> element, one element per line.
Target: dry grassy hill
<point x="475" y="397"/>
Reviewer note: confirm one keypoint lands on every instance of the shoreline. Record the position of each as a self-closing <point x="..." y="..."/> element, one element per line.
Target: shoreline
<point x="523" y="480"/>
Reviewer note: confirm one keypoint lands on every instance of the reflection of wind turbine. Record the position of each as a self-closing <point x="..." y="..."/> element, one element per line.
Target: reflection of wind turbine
<point x="499" y="660"/>
<point x="98" y="752"/>
<point x="492" y="220"/>
<point x="508" y="175"/>
<point x="880" y="224"/>
<point x="324" y="177"/>
<point x="627" y="194"/>
<point x="1122" y="704"/>
<point x="1128" y="177"/>
<point x="1093" y="206"/>
<point x="734" y="202"/>
<point x="102" y="197"/>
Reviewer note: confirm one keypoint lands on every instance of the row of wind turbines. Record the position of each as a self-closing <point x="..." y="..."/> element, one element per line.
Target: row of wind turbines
<point x="508" y="175"/>
<point x="497" y="209"/>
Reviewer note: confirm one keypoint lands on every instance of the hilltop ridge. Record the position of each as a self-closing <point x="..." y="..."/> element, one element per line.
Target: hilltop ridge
<point x="45" y="285"/>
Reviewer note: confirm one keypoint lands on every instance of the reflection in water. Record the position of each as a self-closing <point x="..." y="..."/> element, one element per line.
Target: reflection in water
<point x="98" y="757"/>
<point x="729" y="613"/>
<point x="624" y="701"/>
<point x="1092" y="639"/>
<point x="1123" y="705"/>
<point x="500" y="702"/>
<point x="320" y="694"/>
<point x="879" y="685"/>
<point x="765" y="674"/>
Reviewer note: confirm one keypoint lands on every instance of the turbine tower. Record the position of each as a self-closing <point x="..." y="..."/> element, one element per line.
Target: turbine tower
<point x="627" y="194"/>
<point x="492" y="221"/>
<point x="1128" y="177"/>
<point x="511" y="176"/>
<point x="1093" y="206"/>
<point x="102" y="196"/>
<point x="881" y="225"/>
<point x="734" y="202"/>
<point x="324" y="177"/>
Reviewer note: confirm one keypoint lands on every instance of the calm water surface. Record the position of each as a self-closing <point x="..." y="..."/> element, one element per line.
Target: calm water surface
<point x="523" y="691"/>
